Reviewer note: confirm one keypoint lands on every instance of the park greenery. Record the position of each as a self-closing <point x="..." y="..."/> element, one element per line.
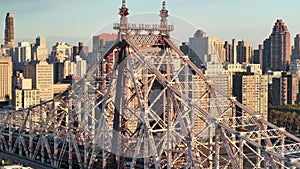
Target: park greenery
<point x="287" y="116"/>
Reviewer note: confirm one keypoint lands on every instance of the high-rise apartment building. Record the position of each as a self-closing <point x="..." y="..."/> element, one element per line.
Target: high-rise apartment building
<point x="80" y="50"/>
<point x="215" y="73"/>
<point x="284" y="89"/>
<point x="69" y="68"/>
<point x="58" y="72"/>
<point x="5" y="79"/>
<point x="39" y="50"/>
<point x="258" y="56"/>
<point x="41" y="74"/>
<point x="184" y="47"/>
<point x="24" y="96"/>
<point x="228" y="52"/>
<point x="214" y="104"/>
<point x="64" y="69"/>
<point x="61" y="51"/>
<point x="205" y="49"/>
<point x="244" y="52"/>
<point x="198" y="98"/>
<point x="277" y="48"/>
<point x="81" y="66"/>
<point x="266" y="64"/>
<point x="103" y="40"/>
<point x="295" y="67"/>
<point x="234" y="59"/>
<point x="296" y="50"/>
<point x="232" y="69"/>
<point x="9" y="31"/>
<point x="252" y="91"/>
<point x="22" y="54"/>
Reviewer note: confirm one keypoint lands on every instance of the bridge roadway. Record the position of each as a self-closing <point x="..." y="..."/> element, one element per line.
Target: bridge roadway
<point x="16" y="159"/>
<point x="23" y="160"/>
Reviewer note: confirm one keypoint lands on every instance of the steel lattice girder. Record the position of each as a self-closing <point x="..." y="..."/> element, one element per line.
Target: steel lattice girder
<point x="76" y="127"/>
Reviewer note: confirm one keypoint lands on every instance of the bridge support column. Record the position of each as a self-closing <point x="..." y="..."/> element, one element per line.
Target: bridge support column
<point x="85" y="121"/>
<point x="259" y="164"/>
<point x="119" y="110"/>
<point x="43" y="151"/>
<point x="69" y="137"/>
<point x="241" y="152"/>
<point x="10" y="134"/>
<point x="211" y="145"/>
<point x="266" y="160"/>
<point x="217" y="148"/>
<point x="31" y="133"/>
<point x="20" y="146"/>
<point x="282" y="142"/>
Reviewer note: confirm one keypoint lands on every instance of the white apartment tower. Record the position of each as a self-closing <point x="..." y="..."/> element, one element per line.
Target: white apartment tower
<point x="39" y="50"/>
<point x="203" y="49"/>
<point x="81" y="66"/>
<point x="5" y="79"/>
<point x="41" y="74"/>
<point x="25" y="96"/>
<point x="22" y="54"/>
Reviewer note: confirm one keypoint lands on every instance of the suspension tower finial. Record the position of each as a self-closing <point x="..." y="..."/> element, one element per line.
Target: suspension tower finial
<point x="164" y="5"/>
<point x="123" y="10"/>
<point x="123" y="3"/>
<point x="164" y="13"/>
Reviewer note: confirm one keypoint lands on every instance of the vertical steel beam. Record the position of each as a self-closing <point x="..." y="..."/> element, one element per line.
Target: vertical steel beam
<point x="118" y="103"/>
<point x="216" y="148"/>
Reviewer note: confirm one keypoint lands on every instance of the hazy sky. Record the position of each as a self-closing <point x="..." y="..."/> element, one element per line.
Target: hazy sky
<point x="251" y="20"/>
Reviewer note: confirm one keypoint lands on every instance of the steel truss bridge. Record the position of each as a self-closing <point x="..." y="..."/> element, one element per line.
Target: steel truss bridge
<point x="144" y="105"/>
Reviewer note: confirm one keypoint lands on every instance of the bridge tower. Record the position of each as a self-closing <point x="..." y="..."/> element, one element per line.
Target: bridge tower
<point x="144" y="105"/>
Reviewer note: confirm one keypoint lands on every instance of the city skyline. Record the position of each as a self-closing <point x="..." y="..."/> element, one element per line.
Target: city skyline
<point x="243" y="20"/>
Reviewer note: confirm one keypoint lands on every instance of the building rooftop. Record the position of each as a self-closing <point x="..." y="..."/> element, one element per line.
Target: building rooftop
<point x="9" y="14"/>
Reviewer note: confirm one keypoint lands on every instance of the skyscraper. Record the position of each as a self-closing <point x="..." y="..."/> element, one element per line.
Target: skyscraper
<point x="277" y="48"/>
<point x="296" y="51"/>
<point x="244" y="52"/>
<point x="228" y="52"/>
<point x="9" y="31"/>
<point x="205" y="49"/>
<point x="234" y="52"/>
<point x="266" y="56"/>
<point x="5" y="79"/>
